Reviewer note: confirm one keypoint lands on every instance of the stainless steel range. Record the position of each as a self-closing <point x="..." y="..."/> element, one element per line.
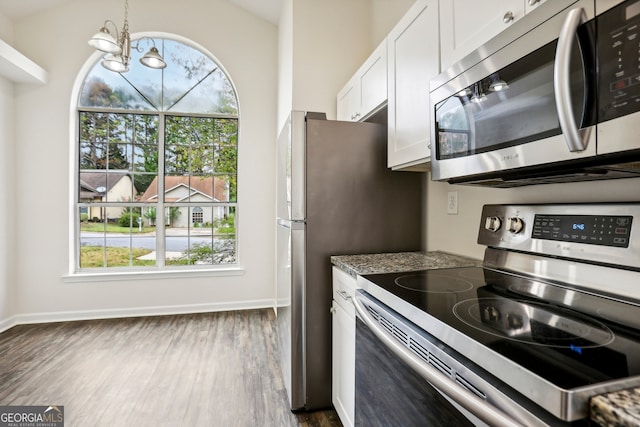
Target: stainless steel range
<point x="551" y="319"/>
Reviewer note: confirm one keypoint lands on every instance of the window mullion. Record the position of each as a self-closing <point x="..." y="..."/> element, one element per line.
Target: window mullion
<point x="160" y="213"/>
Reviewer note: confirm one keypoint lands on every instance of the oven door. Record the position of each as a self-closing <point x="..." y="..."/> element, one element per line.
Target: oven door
<point x="510" y="111"/>
<point x="406" y="377"/>
<point x="406" y="398"/>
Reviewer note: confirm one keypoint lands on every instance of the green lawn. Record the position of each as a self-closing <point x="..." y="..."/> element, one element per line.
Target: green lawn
<point x="99" y="227"/>
<point x="93" y="257"/>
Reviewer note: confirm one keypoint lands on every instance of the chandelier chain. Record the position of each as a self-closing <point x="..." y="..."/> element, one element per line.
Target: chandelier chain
<point x="126" y="17"/>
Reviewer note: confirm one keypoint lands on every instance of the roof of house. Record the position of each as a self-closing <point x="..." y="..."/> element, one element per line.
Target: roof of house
<point x="211" y="187"/>
<point x="92" y="180"/>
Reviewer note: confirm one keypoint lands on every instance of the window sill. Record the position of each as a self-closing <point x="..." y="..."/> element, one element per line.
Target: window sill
<point x="110" y="276"/>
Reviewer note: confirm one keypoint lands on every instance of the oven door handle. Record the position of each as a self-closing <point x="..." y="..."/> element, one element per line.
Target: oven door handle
<point x="464" y="398"/>
<point x="576" y="140"/>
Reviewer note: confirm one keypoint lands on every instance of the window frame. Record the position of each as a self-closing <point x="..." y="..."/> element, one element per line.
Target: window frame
<point x="76" y="272"/>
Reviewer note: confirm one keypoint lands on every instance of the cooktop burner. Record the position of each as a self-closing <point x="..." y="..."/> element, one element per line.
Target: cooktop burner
<point x="434" y="282"/>
<point x="553" y="331"/>
<point x="533" y="323"/>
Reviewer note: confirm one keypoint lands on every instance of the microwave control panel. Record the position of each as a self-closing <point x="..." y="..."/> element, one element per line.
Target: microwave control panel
<point x="619" y="61"/>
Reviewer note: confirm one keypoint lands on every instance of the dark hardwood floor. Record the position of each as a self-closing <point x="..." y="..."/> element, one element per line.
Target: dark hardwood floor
<point x="213" y="369"/>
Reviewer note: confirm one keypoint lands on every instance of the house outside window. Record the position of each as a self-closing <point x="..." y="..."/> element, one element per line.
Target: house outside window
<point x="157" y="141"/>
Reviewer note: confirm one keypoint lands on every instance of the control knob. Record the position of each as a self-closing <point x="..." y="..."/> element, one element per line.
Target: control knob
<point x="514" y="225"/>
<point x="493" y="223"/>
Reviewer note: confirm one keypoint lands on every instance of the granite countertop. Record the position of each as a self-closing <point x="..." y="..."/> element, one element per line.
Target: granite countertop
<point x="400" y="261"/>
<point x="619" y="408"/>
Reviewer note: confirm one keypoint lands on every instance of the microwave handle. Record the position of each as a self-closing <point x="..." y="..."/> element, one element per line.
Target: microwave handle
<point x="562" y="82"/>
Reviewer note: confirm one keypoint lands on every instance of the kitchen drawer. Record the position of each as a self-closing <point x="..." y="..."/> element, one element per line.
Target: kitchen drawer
<point x="344" y="289"/>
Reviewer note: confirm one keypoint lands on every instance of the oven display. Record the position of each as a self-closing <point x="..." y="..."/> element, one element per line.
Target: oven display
<point x="605" y="230"/>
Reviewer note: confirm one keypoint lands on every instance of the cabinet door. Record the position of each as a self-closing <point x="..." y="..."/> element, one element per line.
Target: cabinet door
<point x="532" y="4"/>
<point x="344" y="365"/>
<point x="348" y="107"/>
<point x="413" y="59"/>
<point x="373" y="81"/>
<point x="467" y="24"/>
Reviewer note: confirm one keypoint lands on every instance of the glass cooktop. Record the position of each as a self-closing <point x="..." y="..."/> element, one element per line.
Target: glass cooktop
<point x="570" y="337"/>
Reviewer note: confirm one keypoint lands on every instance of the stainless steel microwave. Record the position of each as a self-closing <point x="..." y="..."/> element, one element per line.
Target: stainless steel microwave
<point x="554" y="98"/>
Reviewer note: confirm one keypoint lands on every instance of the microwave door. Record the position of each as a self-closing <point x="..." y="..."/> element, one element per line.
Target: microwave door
<point x="508" y="118"/>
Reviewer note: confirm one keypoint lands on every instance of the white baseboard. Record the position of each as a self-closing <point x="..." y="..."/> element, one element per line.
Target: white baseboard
<point x="68" y="316"/>
<point x="8" y="323"/>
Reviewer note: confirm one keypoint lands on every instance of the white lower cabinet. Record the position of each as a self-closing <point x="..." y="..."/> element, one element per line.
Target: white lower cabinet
<point x="343" y="347"/>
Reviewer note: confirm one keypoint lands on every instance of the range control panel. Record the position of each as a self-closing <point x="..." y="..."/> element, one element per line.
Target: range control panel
<point x="619" y="60"/>
<point x="596" y="232"/>
<point x="605" y="230"/>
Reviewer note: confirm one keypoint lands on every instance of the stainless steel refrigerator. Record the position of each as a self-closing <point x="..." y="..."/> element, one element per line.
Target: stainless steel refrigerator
<point x="335" y="196"/>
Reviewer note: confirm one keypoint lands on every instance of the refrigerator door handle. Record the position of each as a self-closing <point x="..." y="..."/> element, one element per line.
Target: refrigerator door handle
<point x="284" y="223"/>
<point x="293" y="225"/>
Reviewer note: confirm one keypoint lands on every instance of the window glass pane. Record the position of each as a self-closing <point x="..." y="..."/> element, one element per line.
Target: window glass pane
<point x="145" y="158"/>
<point x="115" y="237"/>
<point x="104" y="88"/>
<point x="146" y="129"/>
<point x="119" y="187"/>
<point x="214" y="95"/>
<point x="224" y="241"/>
<point x="208" y="238"/>
<point x="141" y="183"/>
<point x="92" y="186"/>
<point x="120" y="156"/>
<point x="198" y="84"/>
<point x="201" y="189"/>
<point x="227" y="187"/>
<point x="176" y="160"/>
<point x="93" y="155"/>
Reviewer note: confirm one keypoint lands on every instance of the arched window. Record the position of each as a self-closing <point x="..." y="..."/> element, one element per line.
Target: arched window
<point x="157" y="141"/>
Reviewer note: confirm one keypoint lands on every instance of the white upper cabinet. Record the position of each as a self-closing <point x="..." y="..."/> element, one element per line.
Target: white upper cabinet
<point x="413" y="60"/>
<point x="532" y="4"/>
<point x="349" y="101"/>
<point x="467" y="24"/>
<point x="366" y="92"/>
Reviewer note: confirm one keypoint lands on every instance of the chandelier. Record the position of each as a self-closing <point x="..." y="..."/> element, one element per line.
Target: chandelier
<point x="118" y="47"/>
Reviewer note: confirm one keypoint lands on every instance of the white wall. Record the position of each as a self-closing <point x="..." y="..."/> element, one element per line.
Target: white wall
<point x="6" y="29"/>
<point x="458" y="233"/>
<point x="385" y="14"/>
<point x="322" y="44"/>
<point x="285" y="63"/>
<point x="247" y="47"/>
<point x="7" y="195"/>
<point x="330" y="42"/>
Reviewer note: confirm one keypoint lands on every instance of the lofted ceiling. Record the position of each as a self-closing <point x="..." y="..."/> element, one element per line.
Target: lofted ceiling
<point x="17" y="9"/>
